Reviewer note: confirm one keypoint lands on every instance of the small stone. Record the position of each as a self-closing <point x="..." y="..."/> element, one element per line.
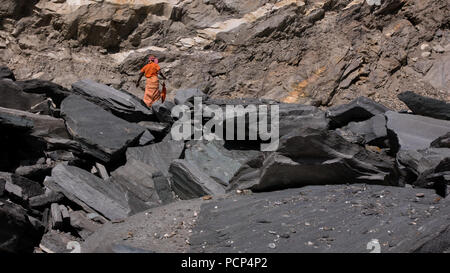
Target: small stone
<point x="272" y="245"/>
<point x="438" y="49"/>
<point x="424" y="47"/>
<point x="420" y="195"/>
<point x="426" y="54"/>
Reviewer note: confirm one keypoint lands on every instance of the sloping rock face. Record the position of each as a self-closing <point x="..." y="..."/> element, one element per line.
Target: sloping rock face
<point x="158" y="155"/>
<point x="103" y="135"/>
<point x="144" y="181"/>
<point x="92" y="191"/>
<point x="206" y="155"/>
<point x="120" y="103"/>
<point x="188" y="181"/>
<point x="13" y="97"/>
<point x="338" y="50"/>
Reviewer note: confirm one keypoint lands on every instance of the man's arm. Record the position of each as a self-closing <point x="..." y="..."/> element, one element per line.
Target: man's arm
<point x="140" y="77"/>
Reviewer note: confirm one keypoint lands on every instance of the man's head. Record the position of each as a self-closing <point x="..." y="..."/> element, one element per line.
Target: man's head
<point x="153" y="59"/>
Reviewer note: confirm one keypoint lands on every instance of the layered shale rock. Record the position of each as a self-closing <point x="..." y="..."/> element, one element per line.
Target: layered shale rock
<point x="102" y="135"/>
<point x="144" y="181"/>
<point x="426" y="106"/>
<point x="118" y="102"/>
<point x="188" y="181"/>
<point x="159" y="155"/>
<point x="411" y="132"/>
<point x="89" y="190"/>
<point x="312" y="157"/>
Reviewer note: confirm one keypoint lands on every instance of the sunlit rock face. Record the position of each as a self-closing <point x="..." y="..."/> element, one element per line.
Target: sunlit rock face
<point x="317" y="52"/>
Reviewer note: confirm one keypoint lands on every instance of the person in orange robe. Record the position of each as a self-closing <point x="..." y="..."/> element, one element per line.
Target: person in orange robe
<point x="151" y="71"/>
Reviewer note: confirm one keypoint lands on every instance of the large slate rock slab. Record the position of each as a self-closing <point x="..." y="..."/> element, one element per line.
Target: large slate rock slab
<point x="41" y="126"/>
<point x="50" y="89"/>
<point x="158" y="155"/>
<point x="17" y="234"/>
<point x="426" y="106"/>
<point x="188" y="181"/>
<point x="359" y="109"/>
<point x="427" y="168"/>
<point x="118" y="102"/>
<point x="334" y="218"/>
<point x="412" y="132"/>
<point x="214" y="160"/>
<point x="6" y="73"/>
<point x="81" y="186"/>
<point x="312" y="157"/>
<point x="12" y="96"/>
<point x="325" y="219"/>
<point x="301" y="116"/>
<point x="144" y="181"/>
<point x="101" y="134"/>
<point x="372" y="131"/>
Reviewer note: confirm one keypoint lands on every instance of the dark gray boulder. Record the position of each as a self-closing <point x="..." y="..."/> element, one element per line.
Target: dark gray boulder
<point x="163" y="111"/>
<point x="301" y="116"/>
<point x="101" y="134"/>
<point x="412" y="132"/>
<point x="359" y="109"/>
<point x="313" y="157"/>
<point x="118" y="102"/>
<point x="144" y="181"/>
<point x="158" y="155"/>
<point x="6" y="73"/>
<point x="426" y="106"/>
<point x="41" y="126"/>
<point x="51" y="90"/>
<point x="188" y="181"/>
<point x="214" y="160"/>
<point x="83" y="187"/>
<point x="372" y="131"/>
<point x="12" y="96"/>
<point x="442" y="141"/>
<point x="17" y="233"/>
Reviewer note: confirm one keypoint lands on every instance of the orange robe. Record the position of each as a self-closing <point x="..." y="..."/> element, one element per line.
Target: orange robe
<point x="152" y="93"/>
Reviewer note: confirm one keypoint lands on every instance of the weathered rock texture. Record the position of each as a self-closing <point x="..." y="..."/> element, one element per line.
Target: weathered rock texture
<point x="313" y="52"/>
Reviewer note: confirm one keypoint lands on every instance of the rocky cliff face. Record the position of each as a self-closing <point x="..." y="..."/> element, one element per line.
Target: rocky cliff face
<point x="319" y="52"/>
